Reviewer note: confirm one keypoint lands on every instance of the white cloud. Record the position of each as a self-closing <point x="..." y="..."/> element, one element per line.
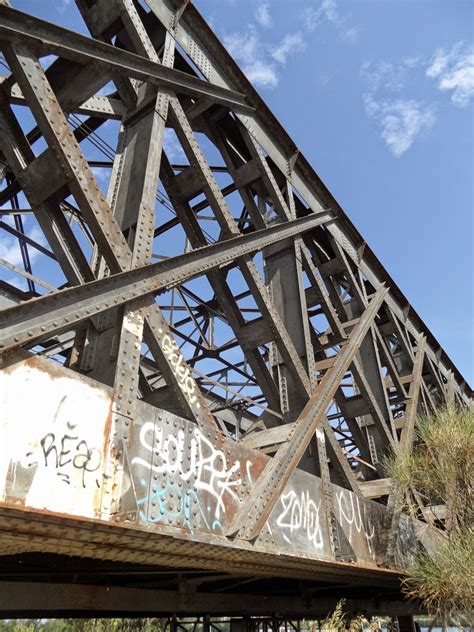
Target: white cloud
<point x="351" y="34"/>
<point x="249" y="50"/>
<point x="10" y="248"/>
<point x="388" y="76"/>
<point x="172" y="147"/>
<point x="328" y="12"/>
<point x="401" y="121"/>
<point x="291" y="43"/>
<point x="244" y="46"/>
<point x="454" y="71"/>
<point x="259" y="60"/>
<point x="64" y="5"/>
<point x="262" y="74"/>
<point x="262" y="15"/>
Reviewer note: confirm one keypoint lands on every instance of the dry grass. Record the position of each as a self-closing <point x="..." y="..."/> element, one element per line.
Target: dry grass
<point x="440" y="466"/>
<point x="340" y="620"/>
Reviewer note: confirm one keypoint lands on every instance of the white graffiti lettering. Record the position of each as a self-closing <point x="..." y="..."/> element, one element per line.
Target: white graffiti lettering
<point x="180" y="369"/>
<point x="301" y="513"/>
<point x="207" y="468"/>
<point x="350" y="513"/>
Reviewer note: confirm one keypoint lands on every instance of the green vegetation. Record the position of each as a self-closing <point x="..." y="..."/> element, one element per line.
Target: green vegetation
<point x="440" y="467"/>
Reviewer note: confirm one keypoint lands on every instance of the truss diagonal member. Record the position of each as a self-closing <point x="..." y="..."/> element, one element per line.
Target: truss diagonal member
<point x="408" y="430"/>
<point x="18" y="27"/>
<point x="254" y="513"/>
<point x="336" y="448"/>
<point x="221" y="289"/>
<point x="54" y="225"/>
<point x="95" y="208"/>
<point x="248" y="269"/>
<point x="53" y="124"/>
<point x="36" y="319"/>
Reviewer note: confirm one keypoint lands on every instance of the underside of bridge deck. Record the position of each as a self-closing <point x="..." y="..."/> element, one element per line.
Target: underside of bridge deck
<point x="32" y="584"/>
<point x="206" y="365"/>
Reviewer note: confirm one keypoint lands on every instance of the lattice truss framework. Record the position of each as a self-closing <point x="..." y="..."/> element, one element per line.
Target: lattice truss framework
<point x="215" y="276"/>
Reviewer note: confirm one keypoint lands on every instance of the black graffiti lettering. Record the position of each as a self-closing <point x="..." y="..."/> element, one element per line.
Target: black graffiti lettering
<point x="47" y="443"/>
<point x="31" y="463"/>
<point x="88" y="461"/>
<point x="69" y="450"/>
<point x="64" y="477"/>
<point x="63" y="460"/>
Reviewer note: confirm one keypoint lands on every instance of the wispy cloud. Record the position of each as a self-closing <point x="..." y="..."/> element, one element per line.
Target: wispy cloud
<point x="328" y="11"/>
<point x="63" y="5"/>
<point x="389" y="76"/>
<point x="261" y="60"/>
<point x="401" y="121"/>
<point x="262" y="74"/>
<point x="10" y="248"/>
<point x="247" y="49"/>
<point x="290" y="44"/>
<point x="172" y="147"/>
<point x="454" y="71"/>
<point x="263" y="16"/>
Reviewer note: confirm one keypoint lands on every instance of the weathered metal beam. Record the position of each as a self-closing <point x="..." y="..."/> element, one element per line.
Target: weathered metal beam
<point x="17" y="27"/>
<point x="29" y="598"/>
<point x="254" y="513"/>
<point x="50" y="217"/>
<point x="97" y="105"/>
<point x="408" y="430"/>
<point x="210" y="56"/>
<point x="66" y="308"/>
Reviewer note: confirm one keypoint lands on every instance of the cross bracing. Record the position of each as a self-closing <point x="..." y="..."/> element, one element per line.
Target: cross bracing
<point x="172" y="247"/>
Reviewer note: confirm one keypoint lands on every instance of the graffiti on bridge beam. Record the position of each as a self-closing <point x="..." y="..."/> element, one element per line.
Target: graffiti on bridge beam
<point x="65" y="452"/>
<point x="182" y="476"/>
<point x="180" y="369"/>
<point x="301" y="513"/>
<point x="353" y="519"/>
<point x="53" y="443"/>
<point x="175" y="505"/>
<point x="192" y="481"/>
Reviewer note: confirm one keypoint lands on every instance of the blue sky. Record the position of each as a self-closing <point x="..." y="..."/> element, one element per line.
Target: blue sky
<point x="378" y="95"/>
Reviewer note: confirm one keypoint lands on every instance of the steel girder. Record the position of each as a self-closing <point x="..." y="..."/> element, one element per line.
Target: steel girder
<point x="267" y="322"/>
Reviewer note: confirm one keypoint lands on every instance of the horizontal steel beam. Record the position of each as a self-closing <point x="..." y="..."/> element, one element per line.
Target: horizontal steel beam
<point x="30" y="598"/>
<point x="59" y="311"/>
<point x="17" y="27"/>
<point x="100" y="106"/>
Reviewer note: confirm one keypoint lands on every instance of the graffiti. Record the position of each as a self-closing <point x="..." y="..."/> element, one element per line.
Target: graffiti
<point x="301" y="513"/>
<point x="180" y="369"/>
<point x="197" y="462"/>
<point x="66" y="450"/>
<point x="177" y="506"/>
<point x="350" y="513"/>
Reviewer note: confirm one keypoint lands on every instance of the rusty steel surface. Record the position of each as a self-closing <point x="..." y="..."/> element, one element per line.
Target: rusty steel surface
<point x="175" y="478"/>
<point x="207" y="366"/>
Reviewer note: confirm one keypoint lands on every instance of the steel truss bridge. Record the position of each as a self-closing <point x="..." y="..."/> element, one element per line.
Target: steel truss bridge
<point x="205" y="365"/>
